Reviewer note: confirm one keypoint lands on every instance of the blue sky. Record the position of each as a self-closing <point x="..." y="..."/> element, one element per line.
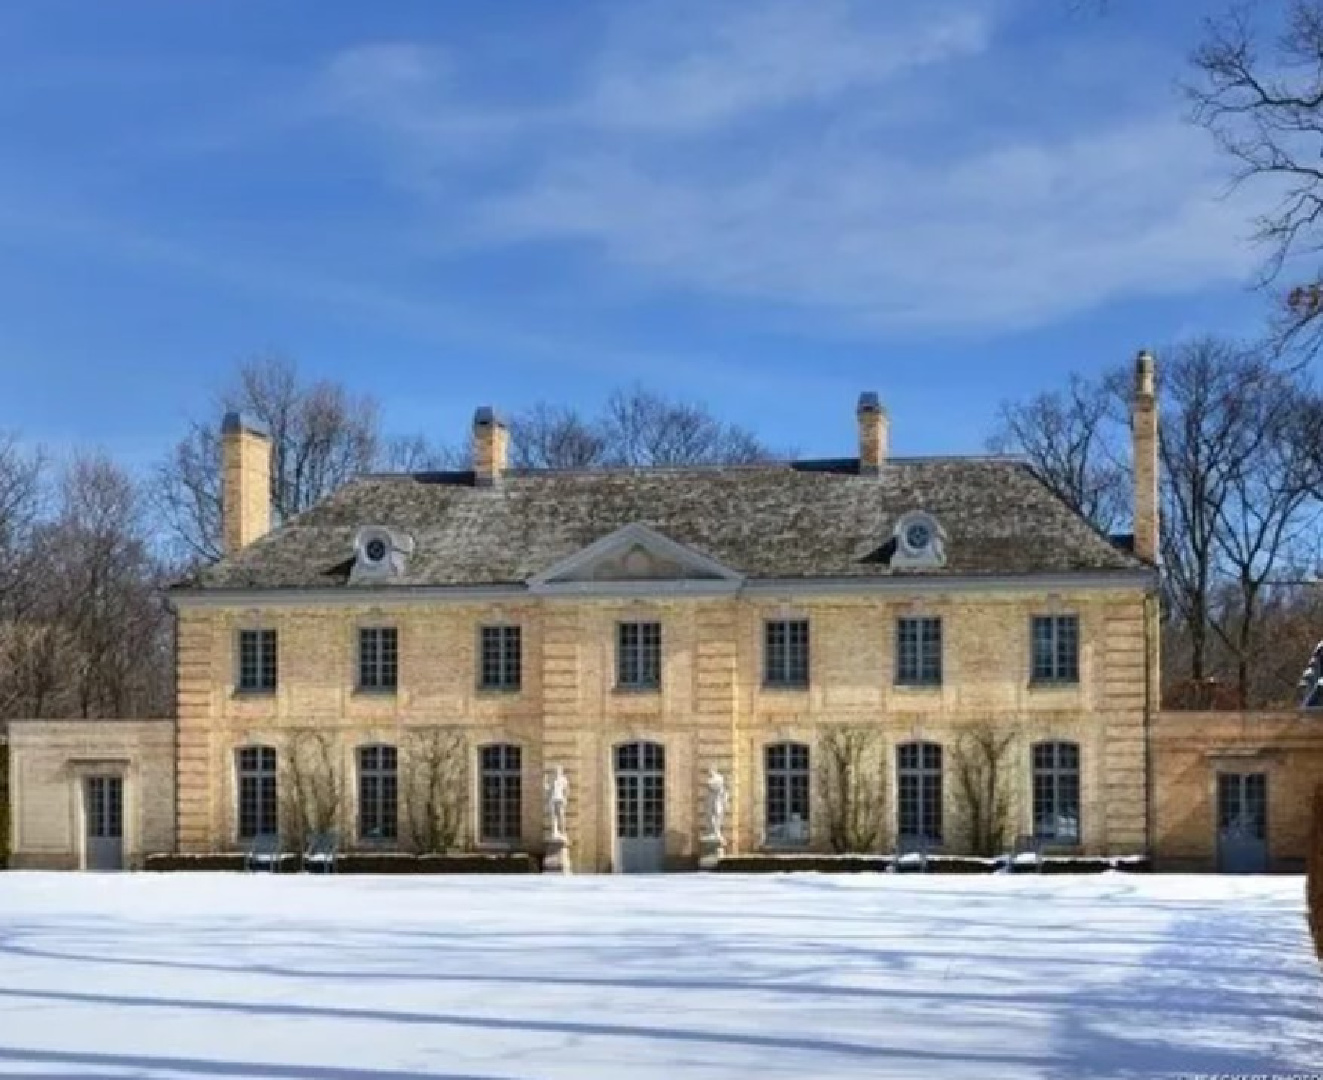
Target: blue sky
<point x="766" y="205"/>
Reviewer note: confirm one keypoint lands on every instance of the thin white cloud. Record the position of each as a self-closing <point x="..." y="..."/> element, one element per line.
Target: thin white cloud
<point x="672" y="68"/>
<point x="730" y="150"/>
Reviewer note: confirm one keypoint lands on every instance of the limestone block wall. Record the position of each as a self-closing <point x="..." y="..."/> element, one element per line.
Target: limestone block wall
<point x="48" y="760"/>
<point x="711" y="710"/>
<point x="317" y="692"/>
<point x="1191" y="748"/>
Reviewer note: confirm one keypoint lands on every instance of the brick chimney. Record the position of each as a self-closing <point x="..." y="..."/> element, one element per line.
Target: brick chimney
<point x="874" y="433"/>
<point x="491" y="447"/>
<point x="1144" y="430"/>
<point x="245" y="482"/>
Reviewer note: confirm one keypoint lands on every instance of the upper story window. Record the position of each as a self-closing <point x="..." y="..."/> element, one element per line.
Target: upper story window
<point x="501" y="659"/>
<point x="638" y="655"/>
<point x="919" y="652"/>
<point x="1056" y="648"/>
<point x="257" y="661"/>
<point x="786" y="653"/>
<point x="378" y="658"/>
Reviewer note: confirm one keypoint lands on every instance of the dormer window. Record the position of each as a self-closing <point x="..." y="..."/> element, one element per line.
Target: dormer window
<point x="918" y="535"/>
<point x="920" y="542"/>
<point x="380" y="554"/>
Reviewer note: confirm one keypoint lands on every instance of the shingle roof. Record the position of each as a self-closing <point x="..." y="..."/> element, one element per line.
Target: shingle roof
<point x="792" y="520"/>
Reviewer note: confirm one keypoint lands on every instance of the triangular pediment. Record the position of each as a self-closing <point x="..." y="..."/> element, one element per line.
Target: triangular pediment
<point x="634" y="555"/>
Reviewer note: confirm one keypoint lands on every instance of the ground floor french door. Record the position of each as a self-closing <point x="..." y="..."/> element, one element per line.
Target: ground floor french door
<point x="1242" y="823"/>
<point x="640" y="774"/>
<point x="103" y="812"/>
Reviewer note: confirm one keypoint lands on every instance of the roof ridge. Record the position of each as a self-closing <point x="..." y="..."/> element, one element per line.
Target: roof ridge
<point x="779" y="465"/>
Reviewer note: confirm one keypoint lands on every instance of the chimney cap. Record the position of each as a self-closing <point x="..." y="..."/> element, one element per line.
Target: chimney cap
<point x="485" y="414"/>
<point x="869" y="402"/>
<point x="1145" y="367"/>
<point x="235" y="423"/>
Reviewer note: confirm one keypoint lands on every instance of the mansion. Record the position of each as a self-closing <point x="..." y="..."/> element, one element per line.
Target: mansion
<point x="406" y="662"/>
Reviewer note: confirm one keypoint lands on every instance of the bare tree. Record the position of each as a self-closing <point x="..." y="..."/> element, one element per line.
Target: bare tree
<point x="641" y="427"/>
<point x="638" y="427"/>
<point x="321" y="437"/>
<point x="1258" y="88"/>
<point x="1268" y="511"/>
<point x="416" y="454"/>
<point x="1202" y="425"/>
<point x="312" y="788"/>
<point x="981" y="765"/>
<point x="435" y="788"/>
<point x="851" y="765"/>
<point x="21" y="484"/>
<point x="83" y="629"/>
<point x="1070" y="439"/>
<point x="555" y="437"/>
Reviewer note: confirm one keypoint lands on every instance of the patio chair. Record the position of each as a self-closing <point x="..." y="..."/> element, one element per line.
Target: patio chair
<point x="321" y="853"/>
<point x="263" y="854"/>
<point x="1027" y="855"/>
<point x="911" y="855"/>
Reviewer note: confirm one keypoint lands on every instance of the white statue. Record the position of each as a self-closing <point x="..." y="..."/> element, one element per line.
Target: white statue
<point x="718" y="799"/>
<point x="557" y="788"/>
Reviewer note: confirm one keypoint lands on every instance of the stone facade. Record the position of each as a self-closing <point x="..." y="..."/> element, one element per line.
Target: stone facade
<point x="711" y="709"/>
<point x="1192" y="751"/>
<point x="50" y="762"/>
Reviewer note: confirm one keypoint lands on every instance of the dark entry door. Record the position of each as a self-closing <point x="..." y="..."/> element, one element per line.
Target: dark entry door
<point x="1242" y="823"/>
<point x="104" y="802"/>
<point x="640" y="807"/>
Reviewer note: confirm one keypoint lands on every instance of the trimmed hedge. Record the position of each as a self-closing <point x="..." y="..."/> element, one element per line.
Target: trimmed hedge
<point x="4" y="805"/>
<point x="361" y="862"/>
<point x="1314" y="881"/>
<point x="799" y="864"/>
<point x="937" y="864"/>
<point x="1130" y="864"/>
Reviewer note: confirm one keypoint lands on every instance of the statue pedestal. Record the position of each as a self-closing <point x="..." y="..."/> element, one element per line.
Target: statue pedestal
<point x="712" y="849"/>
<point x="556" y="859"/>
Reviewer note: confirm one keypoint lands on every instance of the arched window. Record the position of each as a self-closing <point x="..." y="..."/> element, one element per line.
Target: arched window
<point x="378" y="792"/>
<point x="258" y="806"/>
<point x="500" y="793"/>
<point x="1057" y="791"/>
<point x="919" y="792"/>
<point x="787" y="781"/>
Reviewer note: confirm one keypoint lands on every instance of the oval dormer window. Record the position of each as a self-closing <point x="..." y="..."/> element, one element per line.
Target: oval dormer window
<point x="918" y="535"/>
<point x="375" y="550"/>
<point x="920" y="542"/>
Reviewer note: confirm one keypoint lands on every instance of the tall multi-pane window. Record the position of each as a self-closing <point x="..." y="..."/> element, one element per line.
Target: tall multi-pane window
<point x="501" y="793"/>
<point x="1057" y="791"/>
<point x="638" y="655"/>
<point x="378" y="792"/>
<point x="919" y="791"/>
<point x="501" y="659"/>
<point x="1056" y="648"/>
<point x="787" y="779"/>
<point x="919" y="652"/>
<point x="378" y="658"/>
<point x="786" y="653"/>
<point x="257" y="660"/>
<point x="258" y="808"/>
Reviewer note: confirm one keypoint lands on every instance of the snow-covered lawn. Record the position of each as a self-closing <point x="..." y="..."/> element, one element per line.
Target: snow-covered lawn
<point x="680" y="977"/>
